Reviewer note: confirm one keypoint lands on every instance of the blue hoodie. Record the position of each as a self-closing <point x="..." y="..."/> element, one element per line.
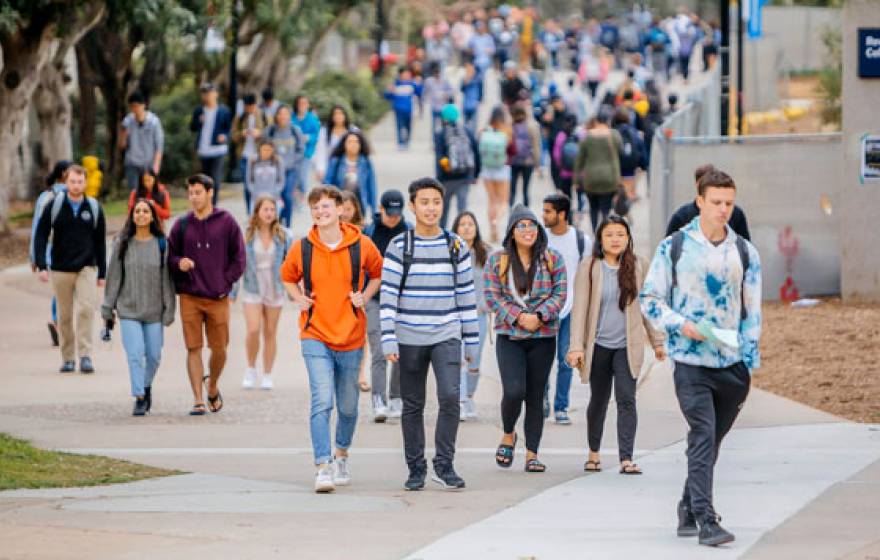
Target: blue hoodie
<point x="309" y="125"/>
<point x="709" y="287"/>
<point x="401" y="95"/>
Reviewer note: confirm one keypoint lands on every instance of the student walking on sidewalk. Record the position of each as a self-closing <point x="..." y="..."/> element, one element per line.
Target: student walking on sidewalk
<point x="290" y="146"/>
<point x="153" y="192"/>
<point x="526" y="289"/>
<point x="262" y="293"/>
<point x="428" y="313"/>
<point x="339" y="270"/>
<point x="609" y="333"/>
<point x="387" y="224"/>
<point x="75" y="223"/>
<point x="140" y="292"/>
<point x="704" y="290"/>
<point x="212" y="123"/>
<point x="207" y="256"/>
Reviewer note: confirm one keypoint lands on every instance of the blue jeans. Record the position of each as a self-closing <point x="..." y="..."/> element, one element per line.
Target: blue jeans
<point x="143" y="347"/>
<point x="563" y="371"/>
<point x="333" y="376"/>
<point x="404" y="128"/>
<point x="468" y="383"/>
<point x="470" y="120"/>
<point x="291" y="177"/>
<point x="305" y="169"/>
<point x="133" y="175"/>
<point x="242" y="166"/>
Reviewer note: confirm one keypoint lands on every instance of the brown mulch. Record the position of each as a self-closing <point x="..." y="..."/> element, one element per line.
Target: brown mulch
<point x="14" y="247"/>
<point x="827" y="357"/>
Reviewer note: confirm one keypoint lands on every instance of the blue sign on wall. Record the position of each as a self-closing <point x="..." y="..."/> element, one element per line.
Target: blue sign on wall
<point x="869" y="53"/>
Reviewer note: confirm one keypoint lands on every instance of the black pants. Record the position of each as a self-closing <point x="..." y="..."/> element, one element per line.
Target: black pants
<point x="515" y="172"/>
<point x="565" y="185"/>
<point x="445" y="358"/>
<point x="524" y="366"/>
<point x="612" y="365"/>
<point x="710" y="400"/>
<point x="213" y="168"/>
<point x="684" y="65"/>
<point x="600" y="207"/>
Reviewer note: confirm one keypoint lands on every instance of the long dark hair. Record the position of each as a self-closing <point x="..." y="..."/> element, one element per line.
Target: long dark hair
<point x="339" y="150"/>
<point x="523" y="278"/>
<point x="328" y="124"/>
<point x="129" y="229"/>
<point x="158" y="194"/>
<point x="626" y="276"/>
<point x="479" y="249"/>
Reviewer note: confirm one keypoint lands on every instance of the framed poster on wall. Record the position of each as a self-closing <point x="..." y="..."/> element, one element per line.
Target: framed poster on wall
<point x="870" y="157"/>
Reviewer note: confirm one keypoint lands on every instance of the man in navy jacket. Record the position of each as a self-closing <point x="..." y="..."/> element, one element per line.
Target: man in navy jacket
<point x="211" y="122"/>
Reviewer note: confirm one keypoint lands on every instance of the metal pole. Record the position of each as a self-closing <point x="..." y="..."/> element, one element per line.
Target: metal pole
<point x="233" y="56"/>
<point x="724" y="53"/>
<point x="739" y="67"/>
<point x="380" y="31"/>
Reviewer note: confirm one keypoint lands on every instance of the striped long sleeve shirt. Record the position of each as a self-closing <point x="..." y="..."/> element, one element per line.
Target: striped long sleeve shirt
<point x="433" y="306"/>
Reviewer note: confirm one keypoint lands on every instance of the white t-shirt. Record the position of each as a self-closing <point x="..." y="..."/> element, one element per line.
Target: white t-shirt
<point x="567" y="246"/>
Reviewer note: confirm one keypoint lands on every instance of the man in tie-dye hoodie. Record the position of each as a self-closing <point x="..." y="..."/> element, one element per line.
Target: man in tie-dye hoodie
<point x="716" y="283"/>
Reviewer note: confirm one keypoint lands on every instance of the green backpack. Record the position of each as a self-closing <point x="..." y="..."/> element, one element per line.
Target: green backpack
<point x="493" y="148"/>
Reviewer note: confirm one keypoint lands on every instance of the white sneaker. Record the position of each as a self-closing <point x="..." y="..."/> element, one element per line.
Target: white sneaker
<point x="470" y="408"/>
<point x="462" y="411"/>
<point x="250" y="378"/>
<point x="380" y="411"/>
<point x="324" y="480"/>
<point x="395" y="408"/>
<point x="267" y="384"/>
<point x="341" y="472"/>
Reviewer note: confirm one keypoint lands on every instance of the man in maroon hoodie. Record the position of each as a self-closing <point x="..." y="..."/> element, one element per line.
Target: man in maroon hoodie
<point x="206" y="252"/>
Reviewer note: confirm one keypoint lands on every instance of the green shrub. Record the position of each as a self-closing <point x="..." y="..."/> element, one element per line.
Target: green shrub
<point x="356" y="92"/>
<point x="175" y="109"/>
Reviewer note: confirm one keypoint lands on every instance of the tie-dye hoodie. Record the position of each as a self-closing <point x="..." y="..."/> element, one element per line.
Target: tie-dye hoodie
<point x="709" y="285"/>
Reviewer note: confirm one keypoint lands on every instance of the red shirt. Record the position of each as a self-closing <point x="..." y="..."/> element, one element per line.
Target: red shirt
<point x="163" y="211"/>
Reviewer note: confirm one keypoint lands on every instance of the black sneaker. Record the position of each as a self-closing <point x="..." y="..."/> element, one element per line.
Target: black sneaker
<point x="53" y="333"/>
<point x="713" y="534"/>
<point x="416" y="480"/>
<point x="148" y="397"/>
<point x="85" y="365"/>
<point x="68" y="366"/>
<point x="446" y="477"/>
<point x="687" y="523"/>
<point x="140" y="407"/>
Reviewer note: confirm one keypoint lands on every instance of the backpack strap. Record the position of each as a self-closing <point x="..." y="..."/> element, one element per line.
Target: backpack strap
<point x="743" y="249"/>
<point x="163" y="247"/>
<point x="674" y="256"/>
<point x="57" y="205"/>
<point x="409" y="247"/>
<point x="306" y="255"/>
<point x="95" y="209"/>
<point x="354" y="255"/>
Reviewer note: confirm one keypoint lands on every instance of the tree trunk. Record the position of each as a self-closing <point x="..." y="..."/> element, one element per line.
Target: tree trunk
<point x="53" y="108"/>
<point x="88" y="102"/>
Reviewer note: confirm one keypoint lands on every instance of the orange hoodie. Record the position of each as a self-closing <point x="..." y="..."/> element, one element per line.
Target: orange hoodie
<point x="333" y="321"/>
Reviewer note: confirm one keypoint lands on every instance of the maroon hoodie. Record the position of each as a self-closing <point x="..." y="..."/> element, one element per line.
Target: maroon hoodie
<point x="216" y="245"/>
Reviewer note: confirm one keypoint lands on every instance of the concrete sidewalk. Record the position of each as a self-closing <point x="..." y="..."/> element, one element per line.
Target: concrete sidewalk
<point x="792" y="481"/>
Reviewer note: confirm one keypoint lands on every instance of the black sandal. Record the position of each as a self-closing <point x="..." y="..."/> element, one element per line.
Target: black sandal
<point x="213" y="402"/>
<point x="504" y="455"/>
<point x="596" y="466"/>
<point x="631" y="469"/>
<point x="535" y="466"/>
<point x="198" y="409"/>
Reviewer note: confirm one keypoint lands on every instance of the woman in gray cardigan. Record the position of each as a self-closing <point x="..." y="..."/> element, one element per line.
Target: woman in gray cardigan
<point x="140" y="292"/>
<point x="608" y="337"/>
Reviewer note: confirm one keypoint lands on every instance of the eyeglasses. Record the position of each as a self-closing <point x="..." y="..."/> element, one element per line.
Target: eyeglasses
<point x="526" y="226"/>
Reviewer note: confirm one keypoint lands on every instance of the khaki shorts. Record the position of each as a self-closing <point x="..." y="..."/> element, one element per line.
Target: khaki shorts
<point x="212" y="313"/>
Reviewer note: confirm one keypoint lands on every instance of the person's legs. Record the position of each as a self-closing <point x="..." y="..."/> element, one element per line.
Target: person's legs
<point x="213" y="167"/>
<point x="399" y="121"/>
<point x="63" y="284"/>
<point x="242" y="168"/>
<point x="347" y="366"/>
<point x="604" y="202"/>
<point x="539" y="361"/>
<point x="217" y="332"/>
<point x="601" y="375"/>
<point x="378" y="364"/>
<point x="512" y="369"/>
<point x="86" y="296"/>
<point x="527" y="178"/>
<point x="132" y="176"/>
<point x="407" y="128"/>
<point x="320" y="365"/>
<point x="447" y="199"/>
<point x="414" y="361"/>
<point x="515" y="172"/>
<point x="192" y="319"/>
<point x="563" y="371"/>
<point x="305" y="170"/>
<point x="290" y="176"/>
<point x="253" y="318"/>
<point x="154" y="337"/>
<point x="461" y="195"/>
<point x="473" y="379"/>
<point x="446" y="363"/>
<point x="625" y="395"/>
<point x="629" y="186"/>
<point x="271" y="316"/>
<point x="133" y="335"/>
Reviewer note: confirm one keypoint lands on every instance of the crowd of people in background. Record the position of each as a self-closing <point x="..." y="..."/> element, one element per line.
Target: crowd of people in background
<point x="421" y="296"/>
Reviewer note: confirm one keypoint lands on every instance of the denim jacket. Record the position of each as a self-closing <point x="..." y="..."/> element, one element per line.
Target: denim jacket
<point x="366" y="180"/>
<point x="709" y="287"/>
<point x="250" y="271"/>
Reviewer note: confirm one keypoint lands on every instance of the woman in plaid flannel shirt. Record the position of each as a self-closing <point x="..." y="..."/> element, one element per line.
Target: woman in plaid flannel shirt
<point x="525" y="288"/>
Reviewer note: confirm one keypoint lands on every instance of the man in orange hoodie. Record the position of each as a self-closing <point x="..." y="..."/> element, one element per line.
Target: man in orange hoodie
<point x="325" y="273"/>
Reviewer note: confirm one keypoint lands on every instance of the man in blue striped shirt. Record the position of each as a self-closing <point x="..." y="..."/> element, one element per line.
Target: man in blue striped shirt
<point x="428" y="310"/>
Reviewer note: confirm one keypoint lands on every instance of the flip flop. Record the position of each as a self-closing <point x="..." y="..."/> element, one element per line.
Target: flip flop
<point x="535" y="466"/>
<point x="630" y="469"/>
<point x="504" y="455"/>
<point x="198" y="409"/>
<point x="213" y="402"/>
<point x="596" y="466"/>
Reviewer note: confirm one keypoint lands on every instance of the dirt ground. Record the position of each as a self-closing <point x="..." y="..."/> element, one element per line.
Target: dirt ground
<point x="798" y="87"/>
<point x="827" y="357"/>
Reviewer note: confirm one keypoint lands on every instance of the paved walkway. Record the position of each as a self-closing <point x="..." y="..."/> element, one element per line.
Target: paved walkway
<point x="792" y="481"/>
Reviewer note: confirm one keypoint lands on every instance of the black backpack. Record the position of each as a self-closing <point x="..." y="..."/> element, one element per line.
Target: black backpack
<point x="570" y="150"/>
<point x="354" y="255"/>
<point x="631" y="148"/>
<point x="741" y="247"/>
<point x="409" y="247"/>
<point x="459" y="150"/>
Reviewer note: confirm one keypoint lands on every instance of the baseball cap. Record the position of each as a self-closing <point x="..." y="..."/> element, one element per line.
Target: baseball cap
<point x="392" y="202"/>
<point x="207" y="86"/>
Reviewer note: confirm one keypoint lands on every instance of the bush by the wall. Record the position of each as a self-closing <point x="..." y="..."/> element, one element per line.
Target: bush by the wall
<point x="356" y="92"/>
<point x="175" y="109"/>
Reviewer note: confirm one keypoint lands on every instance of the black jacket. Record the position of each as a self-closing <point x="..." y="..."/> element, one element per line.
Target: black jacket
<point x="381" y="235"/>
<point x="685" y="215"/>
<point x="77" y="242"/>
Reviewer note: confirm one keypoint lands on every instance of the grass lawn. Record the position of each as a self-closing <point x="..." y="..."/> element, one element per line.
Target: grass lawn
<point x="25" y="466"/>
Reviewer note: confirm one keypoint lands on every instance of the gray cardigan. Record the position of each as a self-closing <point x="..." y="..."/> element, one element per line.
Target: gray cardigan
<point x="147" y="293"/>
